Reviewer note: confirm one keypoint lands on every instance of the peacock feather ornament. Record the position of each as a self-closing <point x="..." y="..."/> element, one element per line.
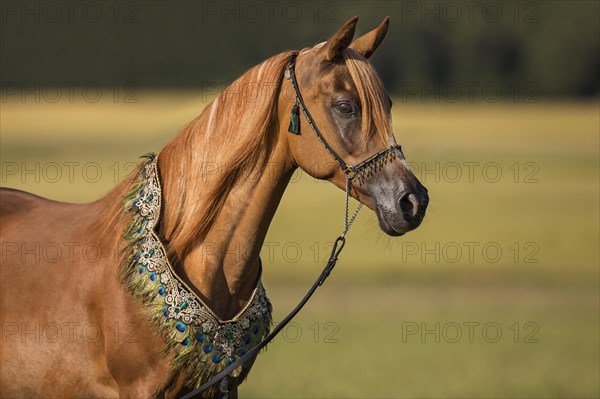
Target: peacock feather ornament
<point x="203" y="344"/>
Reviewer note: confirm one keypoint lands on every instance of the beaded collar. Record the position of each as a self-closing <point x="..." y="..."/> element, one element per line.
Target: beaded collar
<point x="203" y="343"/>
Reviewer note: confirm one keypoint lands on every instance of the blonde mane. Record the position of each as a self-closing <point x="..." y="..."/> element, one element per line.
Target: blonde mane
<point x="231" y="140"/>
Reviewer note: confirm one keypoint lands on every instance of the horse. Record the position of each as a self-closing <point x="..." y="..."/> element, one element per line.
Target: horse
<point x="165" y="301"/>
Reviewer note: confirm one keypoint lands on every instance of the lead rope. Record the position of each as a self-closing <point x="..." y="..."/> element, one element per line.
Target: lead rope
<point x="338" y="245"/>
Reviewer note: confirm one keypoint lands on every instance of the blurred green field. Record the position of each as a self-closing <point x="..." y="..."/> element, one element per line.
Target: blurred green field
<point x="509" y="246"/>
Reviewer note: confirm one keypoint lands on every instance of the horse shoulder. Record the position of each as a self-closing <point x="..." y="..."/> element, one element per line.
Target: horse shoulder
<point x="51" y="294"/>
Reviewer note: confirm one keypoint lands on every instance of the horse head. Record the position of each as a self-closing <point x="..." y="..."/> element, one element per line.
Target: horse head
<point x="345" y="130"/>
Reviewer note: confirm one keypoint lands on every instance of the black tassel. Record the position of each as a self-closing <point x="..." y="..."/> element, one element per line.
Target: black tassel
<point x="295" y="120"/>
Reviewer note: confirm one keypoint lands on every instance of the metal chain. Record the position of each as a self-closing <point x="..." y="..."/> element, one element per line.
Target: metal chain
<point x="348" y="222"/>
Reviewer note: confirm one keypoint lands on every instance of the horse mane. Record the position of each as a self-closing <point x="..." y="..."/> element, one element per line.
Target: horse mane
<point x="229" y="141"/>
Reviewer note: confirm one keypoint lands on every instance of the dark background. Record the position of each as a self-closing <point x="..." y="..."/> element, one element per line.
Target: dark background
<point x="549" y="48"/>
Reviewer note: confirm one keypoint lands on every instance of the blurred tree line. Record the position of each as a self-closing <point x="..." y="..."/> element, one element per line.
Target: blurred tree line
<point x="549" y="48"/>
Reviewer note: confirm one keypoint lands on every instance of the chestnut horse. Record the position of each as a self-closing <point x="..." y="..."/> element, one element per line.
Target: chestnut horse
<point x="166" y="301"/>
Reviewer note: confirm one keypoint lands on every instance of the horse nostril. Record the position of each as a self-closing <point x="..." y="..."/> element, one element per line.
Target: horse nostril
<point x="409" y="205"/>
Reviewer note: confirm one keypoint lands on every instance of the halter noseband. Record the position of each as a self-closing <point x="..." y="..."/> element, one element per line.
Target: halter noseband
<point x="362" y="170"/>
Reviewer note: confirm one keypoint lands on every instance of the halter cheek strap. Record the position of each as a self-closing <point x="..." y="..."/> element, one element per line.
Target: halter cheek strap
<point x="362" y="170"/>
<point x="295" y="123"/>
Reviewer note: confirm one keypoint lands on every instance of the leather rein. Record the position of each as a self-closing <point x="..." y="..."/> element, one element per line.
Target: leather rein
<point x="364" y="169"/>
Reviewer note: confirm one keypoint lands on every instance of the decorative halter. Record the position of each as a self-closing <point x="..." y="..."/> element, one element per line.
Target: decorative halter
<point x="361" y="172"/>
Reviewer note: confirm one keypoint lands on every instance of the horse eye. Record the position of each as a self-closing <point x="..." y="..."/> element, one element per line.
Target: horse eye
<point x="345" y="109"/>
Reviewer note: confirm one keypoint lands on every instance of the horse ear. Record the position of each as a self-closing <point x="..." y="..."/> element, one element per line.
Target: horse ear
<point x="368" y="43"/>
<point x="333" y="49"/>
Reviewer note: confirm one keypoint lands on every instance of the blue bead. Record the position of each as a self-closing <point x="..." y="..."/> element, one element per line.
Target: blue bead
<point x="207" y="348"/>
<point x="216" y="358"/>
<point x="247" y="339"/>
<point x="165" y="312"/>
<point x="179" y="326"/>
<point x="152" y="276"/>
<point x="242" y="351"/>
<point x="255" y="329"/>
<point x="142" y="191"/>
<point x="139" y="230"/>
<point x="230" y="360"/>
<point x="134" y="203"/>
<point x="200" y="337"/>
<point x="183" y="305"/>
<point x="142" y="269"/>
<point x="186" y="341"/>
<point x="161" y="291"/>
<point x="136" y="256"/>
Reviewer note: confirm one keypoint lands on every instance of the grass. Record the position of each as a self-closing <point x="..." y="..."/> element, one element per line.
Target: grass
<point x="352" y="342"/>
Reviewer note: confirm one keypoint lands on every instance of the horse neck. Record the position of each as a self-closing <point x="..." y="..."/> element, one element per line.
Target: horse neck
<point x="221" y="260"/>
<point x="224" y="265"/>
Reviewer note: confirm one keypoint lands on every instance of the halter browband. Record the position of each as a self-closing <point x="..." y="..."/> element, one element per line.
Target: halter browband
<point x="362" y="170"/>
